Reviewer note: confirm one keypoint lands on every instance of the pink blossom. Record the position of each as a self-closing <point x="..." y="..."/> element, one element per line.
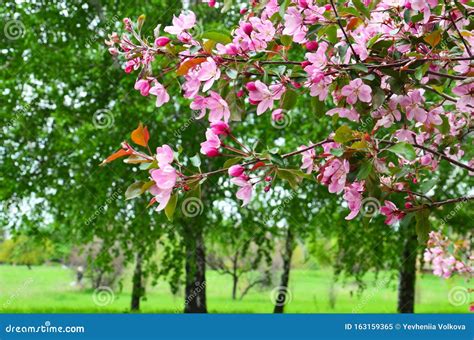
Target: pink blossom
<point x="211" y="146"/>
<point x="245" y="191"/>
<point x="220" y="128"/>
<point x="162" y="196"/>
<point x="307" y="158"/>
<point x="218" y="108"/>
<point x="165" y="178"/>
<point x="209" y="72"/>
<point x="357" y="89"/>
<point x="164" y="155"/>
<point x="132" y="64"/>
<point x="264" y="95"/>
<point x="334" y="175"/>
<point x="294" y="25"/>
<point x="392" y="213"/>
<point x="161" y="94"/>
<point x="143" y="85"/>
<point x="411" y="103"/>
<point x="353" y="196"/>
<point x="350" y="114"/>
<point x="236" y="170"/>
<point x="184" y="21"/>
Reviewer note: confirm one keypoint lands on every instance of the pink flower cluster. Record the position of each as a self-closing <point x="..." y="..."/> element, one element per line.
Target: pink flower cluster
<point x="444" y="263"/>
<point x="165" y="177"/>
<point x="243" y="181"/>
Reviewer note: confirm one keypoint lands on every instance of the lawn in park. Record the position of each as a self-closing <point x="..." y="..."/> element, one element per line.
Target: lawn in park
<point x="48" y="289"/>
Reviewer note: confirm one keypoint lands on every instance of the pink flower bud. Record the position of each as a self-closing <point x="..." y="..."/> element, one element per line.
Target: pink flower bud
<point x="212" y="3"/>
<point x="267" y="188"/>
<point x="243" y="11"/>
<point x="327" y="7"/>
<point x="277" y="115"/>
<point x="128" y="24"/>
<point x="268" y="179"/>
<point x="113" y="51"/>
<point x="303" y="3"/>
<point x="425" y="160"/>
<point x="236" y="170"/>
<point x="240" y="93"/>
<point x="162" y="41"/>
<point x="305" y="63"/>
<point x="312" y="46"/>
<point x="247" y="28"/>
<point x="408" y="205"/>
<point x="220" y="128"/>
<point x="212" y="153"/>
<point x="251" y="86"/>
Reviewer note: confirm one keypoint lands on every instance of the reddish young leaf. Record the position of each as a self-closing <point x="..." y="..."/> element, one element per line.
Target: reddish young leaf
<point x="114" y="156"/>
<point x="257" y="165"/>
<point x="140" y="135"/>
<point x="189" y="64"/>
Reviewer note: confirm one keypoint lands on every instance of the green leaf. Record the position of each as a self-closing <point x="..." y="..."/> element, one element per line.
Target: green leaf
<point x="231" y="161"/>
<point x="378" y="98"/>
<point x="433" y="38"/>
<point x="338" y="152"/>
<point x="318" y="106"/>
<point x="404" y="150"/>
<point x="331" y="34"/>
<point x="216" y="36"/>
<point x="343" y="134"/>
<point x="362" y="8"/>
<point x="422" y="225"/>
<point x="290" y="176"/>
<point x="134" y="190"/>
<point x="286" y="40"/>
<point x="289" y="99"/>
<point x="171" y="207"/>
<point x="364" y="170"/>
<point x="359" y="67"/>
<point x="196" y="161"/>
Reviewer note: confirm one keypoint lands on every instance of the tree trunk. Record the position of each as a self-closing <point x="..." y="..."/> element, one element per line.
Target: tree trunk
<point x="283" y="292"/>
<point x="407" y="275"/>
<point x="235" y="281"/>
<point x="138" y="289"/>
<point x="195" y="290"/>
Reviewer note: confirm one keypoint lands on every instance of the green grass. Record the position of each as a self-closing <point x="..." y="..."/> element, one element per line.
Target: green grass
<point x="48" y="289"/>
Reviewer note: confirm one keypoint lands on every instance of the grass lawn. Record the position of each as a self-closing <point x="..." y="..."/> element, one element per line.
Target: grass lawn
<point x="48" y="289"/>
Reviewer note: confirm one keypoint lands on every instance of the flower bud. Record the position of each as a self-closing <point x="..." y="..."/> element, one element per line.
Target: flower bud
<point x="212" y="153"/>
<point x="247" y="28"/>
<point x="267" y="188"/>
<point x="305" y="63"/>
<point x="312" y="45"/>
<point x="408" y="205"/>
<point x="236" y="170"/>
<point x="251" y="86"/>
<point x="162" y="41"/>
<point x="268" y="179"/>
<point x="243" y="11"/>
<point x="240" y="93"/>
